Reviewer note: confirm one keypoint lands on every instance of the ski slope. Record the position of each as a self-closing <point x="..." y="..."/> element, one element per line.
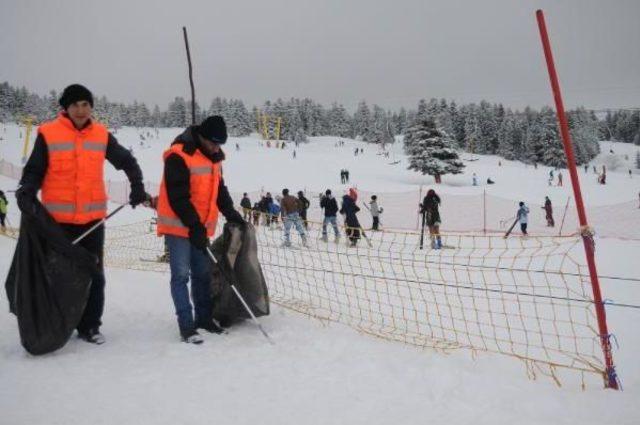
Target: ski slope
<point x="317" y="373"/>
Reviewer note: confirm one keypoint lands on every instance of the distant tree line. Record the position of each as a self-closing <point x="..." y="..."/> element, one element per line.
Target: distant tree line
<point x="484" y="128"/>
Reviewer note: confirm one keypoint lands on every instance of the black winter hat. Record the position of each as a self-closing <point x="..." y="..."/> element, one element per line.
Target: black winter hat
<point x="213" y="128"/>
<point x="285" y="192"/>
<point x="75" y="93"/>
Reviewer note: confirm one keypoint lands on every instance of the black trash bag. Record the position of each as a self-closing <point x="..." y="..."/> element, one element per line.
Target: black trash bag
<point x="236" y="251"/>
<point x="48" y="282"/>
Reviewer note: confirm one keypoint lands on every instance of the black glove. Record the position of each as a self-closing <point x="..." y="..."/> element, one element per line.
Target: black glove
<point x="26" y="197"/>
<point x="198" y="236"/>
<point x="235" y="217"/>
<point x="138" y="195"/>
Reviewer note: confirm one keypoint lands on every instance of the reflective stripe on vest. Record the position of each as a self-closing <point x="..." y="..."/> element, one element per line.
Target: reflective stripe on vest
<point x="54" y="207"/>
<point x="61" y="147"/>
<point x="71" y="208"/>
<point x="90" y="145"/>
<point x="205" y="169"/>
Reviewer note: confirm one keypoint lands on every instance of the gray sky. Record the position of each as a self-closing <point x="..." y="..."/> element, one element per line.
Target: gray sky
<point x="391" y="53"/>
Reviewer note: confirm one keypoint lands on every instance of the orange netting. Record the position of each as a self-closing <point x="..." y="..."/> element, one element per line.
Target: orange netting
<point x="528" y="298"/>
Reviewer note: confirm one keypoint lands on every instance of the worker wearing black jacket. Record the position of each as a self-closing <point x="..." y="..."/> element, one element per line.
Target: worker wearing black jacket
<point x="187" y="217"/>
<point x="67" y="164"/>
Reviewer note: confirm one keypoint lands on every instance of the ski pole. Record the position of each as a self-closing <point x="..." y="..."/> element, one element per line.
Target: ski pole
<point x="366" y="238"/>
<point x="98" y="224"/>
<point x="244" y="303"/>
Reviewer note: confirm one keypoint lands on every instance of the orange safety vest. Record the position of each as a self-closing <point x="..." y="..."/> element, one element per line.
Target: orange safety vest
<point x="73" y="188"/>
<point x="203" y="185"/>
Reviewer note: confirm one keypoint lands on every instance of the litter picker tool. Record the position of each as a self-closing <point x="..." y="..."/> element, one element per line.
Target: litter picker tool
<point x="98" y="224"/>
<point x="241" y="299"/>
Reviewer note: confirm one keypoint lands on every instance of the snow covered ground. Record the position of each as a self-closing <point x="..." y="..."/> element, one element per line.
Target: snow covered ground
<point x="316" y="373"/>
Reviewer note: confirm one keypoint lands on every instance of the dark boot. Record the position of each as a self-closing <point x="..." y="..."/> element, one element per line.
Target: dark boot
<point x="211" y="326"/>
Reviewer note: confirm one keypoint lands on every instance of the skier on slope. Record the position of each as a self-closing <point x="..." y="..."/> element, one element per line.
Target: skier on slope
<point x="349" y="209"/>
<point x="523" y="217"/>
<point x="430" y="208"/>
<point x="548" y="211"/>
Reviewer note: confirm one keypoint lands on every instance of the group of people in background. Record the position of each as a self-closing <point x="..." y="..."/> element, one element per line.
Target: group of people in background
<point x="293" y="211"/>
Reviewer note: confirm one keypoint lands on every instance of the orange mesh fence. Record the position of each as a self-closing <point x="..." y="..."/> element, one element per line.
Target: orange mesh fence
<point x="527" y="298"/>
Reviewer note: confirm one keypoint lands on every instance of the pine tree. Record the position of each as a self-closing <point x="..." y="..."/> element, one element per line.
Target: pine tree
<point x="638" y="160"/>
<point x="544" y="143"/>
<point x="177" y="113"/>
<point x="362" y="125"/>
<point x="338" y="121"/>
<point x="511" y="135"/>
<point x="431" y="151"/>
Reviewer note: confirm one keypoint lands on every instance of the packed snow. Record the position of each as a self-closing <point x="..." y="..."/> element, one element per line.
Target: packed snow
<point x="317" y="373"/>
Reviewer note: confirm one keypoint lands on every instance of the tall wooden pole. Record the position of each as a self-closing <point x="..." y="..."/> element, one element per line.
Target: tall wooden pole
<point x="193" y="92"/>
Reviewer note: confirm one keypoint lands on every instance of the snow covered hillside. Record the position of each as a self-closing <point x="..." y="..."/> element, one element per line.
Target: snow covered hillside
<point x="317" y="373"/>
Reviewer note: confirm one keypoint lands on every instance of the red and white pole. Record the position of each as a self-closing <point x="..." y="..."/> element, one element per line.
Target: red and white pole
<point x="587" y="239"/>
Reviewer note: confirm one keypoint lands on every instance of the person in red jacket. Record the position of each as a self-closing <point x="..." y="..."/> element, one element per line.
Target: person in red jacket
<point x="67" y="164"/>
<point x="192" y="194"/>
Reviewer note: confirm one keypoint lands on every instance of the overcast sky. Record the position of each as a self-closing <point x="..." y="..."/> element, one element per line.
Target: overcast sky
<point x="390" y="52"/>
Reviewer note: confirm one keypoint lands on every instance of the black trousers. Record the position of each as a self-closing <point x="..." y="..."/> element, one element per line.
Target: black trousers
<point x="376" y="223"/>
<point x="2" y="217"/>
<point x="94" y="243"/>
<point x="523" y="227"/>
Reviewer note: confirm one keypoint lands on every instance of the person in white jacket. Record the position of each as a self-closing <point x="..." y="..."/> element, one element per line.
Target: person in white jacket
<point x="375" y="212"/>
<point x="523" y="217"/>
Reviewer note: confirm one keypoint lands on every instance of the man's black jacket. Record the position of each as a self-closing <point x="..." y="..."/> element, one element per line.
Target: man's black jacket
<point x="177" y="181"/>
<point x="330" y="206"/>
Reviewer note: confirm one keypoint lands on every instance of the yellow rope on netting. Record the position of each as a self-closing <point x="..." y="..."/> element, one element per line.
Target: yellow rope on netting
<point x="524" y="297"/>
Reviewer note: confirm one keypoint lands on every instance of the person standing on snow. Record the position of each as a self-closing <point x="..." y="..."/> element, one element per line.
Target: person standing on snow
<point x="431" y="209"/>
<point x="291" y="216"/>
<point x="245" y="203"/>
<point x="3" y="210"/>
<point x="192" y="194"/>
<point x="548" y="212"/>
<point x="275" y="210"/>
<point x="523" y="217"/>
<point x="375" y="212"/>
<point x="304" y="206"/>
<point x="67" y="163"/>
<point x="330" y="206"/>
<point x="349" y="209"/>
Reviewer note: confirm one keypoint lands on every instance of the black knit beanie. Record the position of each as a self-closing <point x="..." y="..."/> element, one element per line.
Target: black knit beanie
<point x="75" y="93"/>
<point x="213" y="128"/>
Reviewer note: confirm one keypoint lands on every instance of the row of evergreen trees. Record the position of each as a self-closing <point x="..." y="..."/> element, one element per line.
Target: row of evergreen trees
<point x="530" y="135"/>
